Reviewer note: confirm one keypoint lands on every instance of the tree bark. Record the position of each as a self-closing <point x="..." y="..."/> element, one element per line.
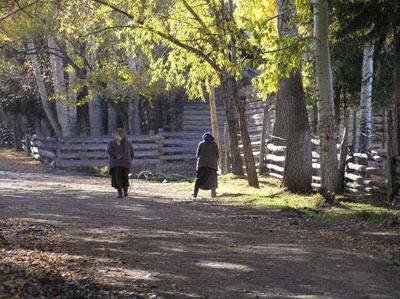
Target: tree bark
<point x="365" y="100"/>
<point x="17" y="131"/>
<point x="215" y="130"/>
<point x="328" y="151"/>
<point x="396" y="98"/>
<point x="297" y="175"/>
<point x="112" y="119"/>
<point x="134" y="115"/>
<point x="264" y="133"/>
<point x="391" y="164"/>
<point x="66" y="112"/>
<point x="250" y="163"/>
<point x="95" y="117"/>
<point x="343" y="151"/>
<point x="94" y="105"/>
<point x="354" y="132"/>
<point x="280" y="130"/>
<point x="227" y="96"/>
<point x="47" y="105"/>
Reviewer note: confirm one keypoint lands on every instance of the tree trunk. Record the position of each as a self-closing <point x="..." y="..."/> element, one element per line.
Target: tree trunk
<point x="354" y="132"/>
<point x="215" y="130"/>
<point x="227" y="96"/>
<point x="250" y="163"/>
<point x="227" y="148"/>
<point x="343" y="151"/>
<point x="297" y="175"/>
<point x="17" y="131"/>
<point x="47" y="105"/>
<point x="45" y="127"/>
<point x="134" y="115"/>
<point x="264" y="133"/>
<point x="66" y="112"/>
<point x="95" y="111"/>
<point x="328" y="151"/>
<point x="396" y="98"/>
<point x="112" y="119"/>
<point x="391" y="162"/>
<point x="280" y="130"/>
<point x="95" y="117"/>
<point x="315" y="120"/>
<point x="365" y="100"/>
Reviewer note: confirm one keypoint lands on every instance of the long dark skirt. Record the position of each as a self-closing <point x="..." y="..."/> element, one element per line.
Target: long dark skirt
<point x="119" y="177"/>
<point x="206" y="178"/>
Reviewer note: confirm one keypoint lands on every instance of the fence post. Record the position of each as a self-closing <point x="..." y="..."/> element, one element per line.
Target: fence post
<point x="159" y="140"/>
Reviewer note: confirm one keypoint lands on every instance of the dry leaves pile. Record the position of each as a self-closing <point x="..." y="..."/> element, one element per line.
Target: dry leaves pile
<point x="28" y="269"/>
<point x="363" y="241"/>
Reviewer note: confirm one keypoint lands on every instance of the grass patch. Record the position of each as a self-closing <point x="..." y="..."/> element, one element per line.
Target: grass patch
<point x="271" y="197"/>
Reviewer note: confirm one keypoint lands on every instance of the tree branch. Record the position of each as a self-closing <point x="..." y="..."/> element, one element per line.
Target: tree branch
<point x="166" y="36"/>
<point x="18" y="10"/>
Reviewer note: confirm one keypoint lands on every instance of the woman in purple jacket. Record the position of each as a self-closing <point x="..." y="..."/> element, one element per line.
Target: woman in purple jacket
<point x="121" y="155"/>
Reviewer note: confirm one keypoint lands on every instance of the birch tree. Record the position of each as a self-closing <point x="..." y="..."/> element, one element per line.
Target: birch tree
<point x="326" y="117"/>
<point x="134" y="101"/>
<point x="47" y="105"/>
<point x="365" y="100"/>
<point x="66" y="112"/>
<point x="95" y="111"/>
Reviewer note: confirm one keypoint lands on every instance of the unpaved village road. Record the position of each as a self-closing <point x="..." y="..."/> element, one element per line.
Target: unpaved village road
<point x="190" y="249"/>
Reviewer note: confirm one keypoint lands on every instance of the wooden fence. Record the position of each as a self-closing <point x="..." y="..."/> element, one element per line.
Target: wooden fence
<point x="6" y="136"/>
<point x="91" y="151"/>
<point x="365" y="174"/>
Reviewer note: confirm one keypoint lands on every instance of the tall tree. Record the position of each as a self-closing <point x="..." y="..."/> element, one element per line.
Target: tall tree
<point x="66" y="112"/>
<point x="47" y="105"/>
<point x="365" y="100"/>
<point x="212" y="48"/>
<point x="297" y="175"/>
<point x="326" y="117"/>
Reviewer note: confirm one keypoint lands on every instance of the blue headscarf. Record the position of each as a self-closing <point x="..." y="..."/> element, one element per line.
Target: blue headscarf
<point x="208" y="137"/>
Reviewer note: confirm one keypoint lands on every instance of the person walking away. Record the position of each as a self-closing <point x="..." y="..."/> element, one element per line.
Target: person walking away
<point x="207" y="165"/>
<point x="121" y="154"/>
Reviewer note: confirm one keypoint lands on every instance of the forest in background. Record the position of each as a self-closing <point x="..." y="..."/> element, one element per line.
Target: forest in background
<point x="84" y="67"/>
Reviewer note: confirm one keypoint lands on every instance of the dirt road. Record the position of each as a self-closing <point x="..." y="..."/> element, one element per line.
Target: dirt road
<point x="179" y="248"/>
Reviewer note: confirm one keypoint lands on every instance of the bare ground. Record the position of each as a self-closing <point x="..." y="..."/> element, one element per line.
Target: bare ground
<point x="159" y="243"/>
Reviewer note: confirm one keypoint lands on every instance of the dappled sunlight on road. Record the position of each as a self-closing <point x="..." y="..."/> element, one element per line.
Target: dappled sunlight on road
<point x="180" y="246"/>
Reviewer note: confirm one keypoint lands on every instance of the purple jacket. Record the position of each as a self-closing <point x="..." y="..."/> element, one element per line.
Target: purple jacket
<point x="125" y="150"/>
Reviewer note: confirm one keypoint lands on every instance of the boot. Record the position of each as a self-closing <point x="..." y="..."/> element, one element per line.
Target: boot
<point x="119" y="192"/>
<point x="125" y="191"/>
<point x="213" y="193"/>
<point x="194" y="194"/>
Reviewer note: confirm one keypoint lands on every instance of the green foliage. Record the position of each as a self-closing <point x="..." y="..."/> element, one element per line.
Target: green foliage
<point x="280" y="55"/>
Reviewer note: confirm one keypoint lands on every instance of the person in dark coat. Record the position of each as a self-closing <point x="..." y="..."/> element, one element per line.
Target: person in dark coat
<point x="207" y="165"/>
<point x="121" y="154"/>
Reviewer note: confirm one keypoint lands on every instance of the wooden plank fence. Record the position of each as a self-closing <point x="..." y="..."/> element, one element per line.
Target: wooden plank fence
<point x="365" y="174"/>
<point x="91" y="151"/>
<point x="6" y="136"/>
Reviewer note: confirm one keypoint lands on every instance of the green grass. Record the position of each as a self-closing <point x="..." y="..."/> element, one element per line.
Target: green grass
<point x="271" y="197"/>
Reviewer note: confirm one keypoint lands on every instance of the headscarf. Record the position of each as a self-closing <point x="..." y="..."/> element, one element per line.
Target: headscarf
<point x="208" y="137"/>
<point x="120" y="135"/>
